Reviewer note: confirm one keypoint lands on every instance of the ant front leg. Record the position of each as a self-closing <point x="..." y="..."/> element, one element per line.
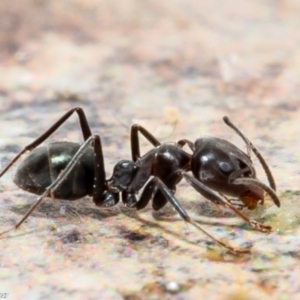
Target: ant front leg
<point x="216" y="199"/>
<point x="85" y="128"/>
<point x="135" y="144"/>
<point x="236" y="203"/>
<point x="175" y="203"/>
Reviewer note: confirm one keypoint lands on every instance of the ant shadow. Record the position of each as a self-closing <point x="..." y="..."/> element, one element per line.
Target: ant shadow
<point x="86" y="208"/>
<point x="56" y="209"/>
<point x="202" y="212"/>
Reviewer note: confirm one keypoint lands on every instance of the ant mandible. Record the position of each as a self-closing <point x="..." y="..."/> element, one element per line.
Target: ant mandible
<point x="70" y="171"/>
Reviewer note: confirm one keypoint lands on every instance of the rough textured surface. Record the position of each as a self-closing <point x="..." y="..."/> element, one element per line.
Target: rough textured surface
<point x="176" y="69"/>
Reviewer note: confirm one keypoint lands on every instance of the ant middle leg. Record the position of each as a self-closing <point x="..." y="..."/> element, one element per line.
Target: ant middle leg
<point x="85" y="129"/>
<point x="134" y="138"/>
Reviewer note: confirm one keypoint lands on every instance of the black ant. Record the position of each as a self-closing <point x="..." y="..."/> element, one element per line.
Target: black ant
<point x="71" y="171"/>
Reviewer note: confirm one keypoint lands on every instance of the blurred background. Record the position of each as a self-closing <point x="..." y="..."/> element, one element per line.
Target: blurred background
<point x="247" y="50"/>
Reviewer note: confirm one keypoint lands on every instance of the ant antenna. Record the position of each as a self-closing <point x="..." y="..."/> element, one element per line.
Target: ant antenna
<point x="254" y="149"/>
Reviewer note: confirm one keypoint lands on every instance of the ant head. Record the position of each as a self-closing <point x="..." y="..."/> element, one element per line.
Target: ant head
<point x="123" y="173"/>
<point x="217" y="163"/>
<point x="226" y="169"/>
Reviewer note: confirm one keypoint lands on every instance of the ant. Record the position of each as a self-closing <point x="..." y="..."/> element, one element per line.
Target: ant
<point x="71" y="171"/>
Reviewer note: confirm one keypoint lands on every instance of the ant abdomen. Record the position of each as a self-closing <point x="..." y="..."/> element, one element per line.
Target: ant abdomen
<point x="43" y="165"/>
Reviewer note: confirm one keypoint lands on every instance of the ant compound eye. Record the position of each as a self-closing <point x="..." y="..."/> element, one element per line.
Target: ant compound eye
<point x="225" y="167"/>
<point x="118" y="174"/>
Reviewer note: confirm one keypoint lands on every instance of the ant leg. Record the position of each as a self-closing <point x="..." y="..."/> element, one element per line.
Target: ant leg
<point x="85" y="128"/>
<point x="215" y="198"/>
<point x="101" y="196"/>
<point x="129" y="196"/>
<point x="170" y="181"/>
<point x="256" y="152"/>
<point x="236" y="203"/>
<point x="134" y="138"/>
<point x="183" y="142"/>
<point x="146" y="195"/>
<point x="55" y="184"/>
<point x="171" y="198"/>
